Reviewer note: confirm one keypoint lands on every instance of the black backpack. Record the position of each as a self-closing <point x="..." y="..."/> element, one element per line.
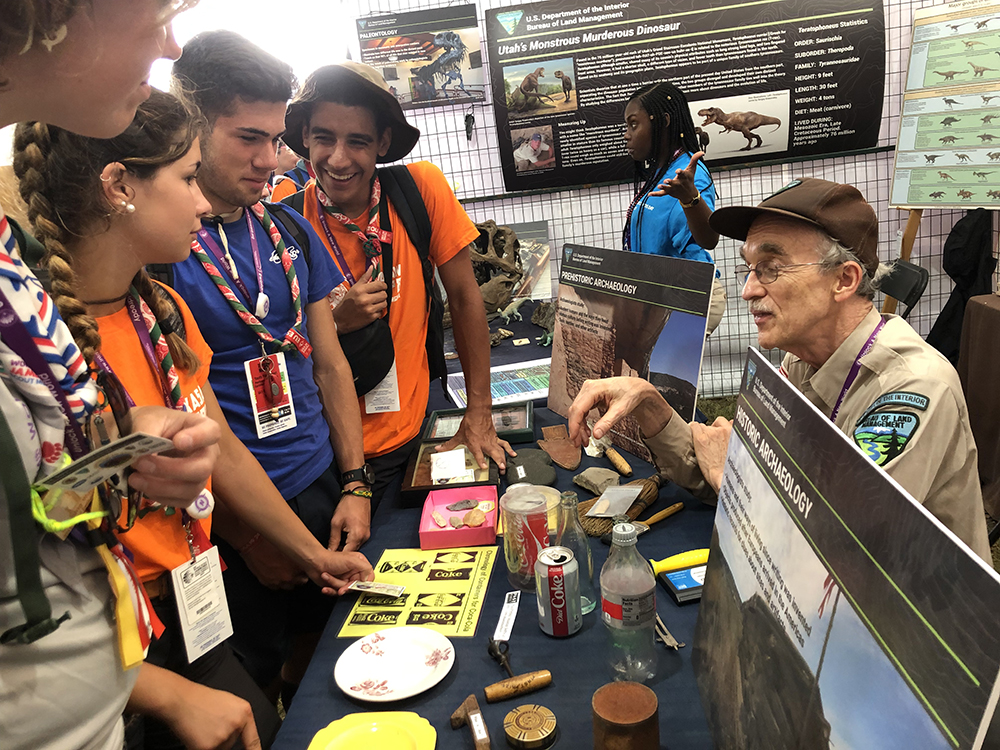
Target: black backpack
<point x="403" y="193"/>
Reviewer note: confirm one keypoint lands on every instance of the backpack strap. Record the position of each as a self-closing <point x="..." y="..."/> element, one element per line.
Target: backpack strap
<point x="24" y="542"/>
<point x="402" y="191"/>
<point x="290" y="225"/>
<point x="296" y="201"/>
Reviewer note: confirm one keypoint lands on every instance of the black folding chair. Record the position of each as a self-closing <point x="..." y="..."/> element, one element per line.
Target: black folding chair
<point x="906" y="282"/>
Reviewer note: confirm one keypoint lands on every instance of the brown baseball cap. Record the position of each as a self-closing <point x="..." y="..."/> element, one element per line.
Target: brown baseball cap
<point x="324" y="84"/>
<point x="839" y="210"/>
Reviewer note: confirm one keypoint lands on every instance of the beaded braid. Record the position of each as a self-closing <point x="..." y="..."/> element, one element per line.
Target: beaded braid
<point x="183" y="355"/>
<point x="659" y="100"/>
<point x="32" y="154"/>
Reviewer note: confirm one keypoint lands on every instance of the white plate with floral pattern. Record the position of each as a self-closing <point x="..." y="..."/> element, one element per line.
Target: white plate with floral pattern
<point x="394" y="663"/>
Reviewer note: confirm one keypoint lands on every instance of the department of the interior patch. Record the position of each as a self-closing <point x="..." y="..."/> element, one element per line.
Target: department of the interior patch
<point x="883" y="435"/>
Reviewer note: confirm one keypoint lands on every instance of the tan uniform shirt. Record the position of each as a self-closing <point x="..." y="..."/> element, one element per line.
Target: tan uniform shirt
<point x="902" y="381"/>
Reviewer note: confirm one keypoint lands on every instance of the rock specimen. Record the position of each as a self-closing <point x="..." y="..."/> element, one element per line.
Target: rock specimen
<point x="596" y="480"/>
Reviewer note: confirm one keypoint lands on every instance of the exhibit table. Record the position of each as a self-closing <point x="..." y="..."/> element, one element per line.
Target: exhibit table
<point x="578" y="663"/>
<point x="978" y="362"/>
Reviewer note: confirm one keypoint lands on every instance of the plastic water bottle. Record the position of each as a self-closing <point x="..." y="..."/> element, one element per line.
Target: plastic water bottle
<point x="570" y="533"/>
<point x="628" y="608"/>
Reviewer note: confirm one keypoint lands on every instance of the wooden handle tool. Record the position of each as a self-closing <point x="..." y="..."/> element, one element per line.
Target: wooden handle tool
<point x="518" y="685"/>
<point x="618" y="461"/>
<point x="469" y="714"/>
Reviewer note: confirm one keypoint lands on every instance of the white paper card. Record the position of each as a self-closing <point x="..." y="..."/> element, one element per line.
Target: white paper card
<point x="449" y="467"/>
<point x="614" y="501"/>
<point x="201" y="603"/>
<point x="375" y="587"/>
<point x="385" y="396"/>
<point x="507" y="616"/>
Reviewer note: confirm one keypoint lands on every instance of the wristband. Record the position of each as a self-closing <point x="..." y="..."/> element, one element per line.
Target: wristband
<point x="358" y="492"/>
<point x="250" y="543"/>
<point x="694" y="201"/>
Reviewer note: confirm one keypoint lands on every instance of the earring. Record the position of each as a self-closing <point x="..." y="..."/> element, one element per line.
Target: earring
<point x="56" y="37"/>
<point x="129" y="207"/>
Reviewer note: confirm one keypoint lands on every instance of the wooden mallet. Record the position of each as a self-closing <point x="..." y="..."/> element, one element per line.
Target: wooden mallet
<point x="469" y="714"/>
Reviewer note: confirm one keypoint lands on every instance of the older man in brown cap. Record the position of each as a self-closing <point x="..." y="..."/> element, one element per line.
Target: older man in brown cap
<point x="811" y="270"/>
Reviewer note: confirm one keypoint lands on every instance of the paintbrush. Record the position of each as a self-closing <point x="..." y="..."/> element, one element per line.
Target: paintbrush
<point x="642" y="527"/>
<point x="647" y="496"/>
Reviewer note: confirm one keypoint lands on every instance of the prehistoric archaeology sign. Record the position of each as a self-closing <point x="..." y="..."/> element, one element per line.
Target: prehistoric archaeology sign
<point x="765" y="80"/>
<point x="428" y="57"/>
<point x="836" y="611"/>
<point x="948" y="149"/>
<point x="618" y="315"/>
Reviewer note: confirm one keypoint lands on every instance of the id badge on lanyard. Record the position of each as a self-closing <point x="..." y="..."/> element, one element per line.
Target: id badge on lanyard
<point x="270" y="394"/>
<point x="203" y="610"/>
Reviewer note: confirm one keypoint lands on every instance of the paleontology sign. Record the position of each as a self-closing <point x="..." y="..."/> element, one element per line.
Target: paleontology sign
<point x="764" y="80"/>
<point x="948" y="149"/>
<point x="428" y="57"/>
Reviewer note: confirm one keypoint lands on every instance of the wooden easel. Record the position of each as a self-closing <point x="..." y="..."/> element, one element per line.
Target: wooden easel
<point x="905" y="248"/>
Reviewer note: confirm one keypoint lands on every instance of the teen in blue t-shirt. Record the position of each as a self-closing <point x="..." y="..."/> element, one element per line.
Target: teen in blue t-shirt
<point x="292" y="458"/>
<point x="674" y="191"/>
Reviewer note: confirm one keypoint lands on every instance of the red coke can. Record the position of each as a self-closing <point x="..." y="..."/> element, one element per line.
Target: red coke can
<point x="557" y="584"/>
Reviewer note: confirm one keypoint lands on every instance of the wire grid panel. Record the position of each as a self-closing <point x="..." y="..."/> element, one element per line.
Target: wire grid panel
<point x="595" y="216"/>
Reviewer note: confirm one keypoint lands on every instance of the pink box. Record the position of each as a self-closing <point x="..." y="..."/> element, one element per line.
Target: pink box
<point x="433" y="536"/>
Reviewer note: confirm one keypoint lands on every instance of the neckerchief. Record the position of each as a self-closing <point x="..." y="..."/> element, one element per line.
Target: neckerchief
<point x="293" y="339"/>
<point x="373" y="236"/>
<point x="55" y="343"/>
<point x="154" y="344"/>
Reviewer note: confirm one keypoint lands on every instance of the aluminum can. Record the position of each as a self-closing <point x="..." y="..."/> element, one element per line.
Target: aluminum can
<point x="557" y="584"/>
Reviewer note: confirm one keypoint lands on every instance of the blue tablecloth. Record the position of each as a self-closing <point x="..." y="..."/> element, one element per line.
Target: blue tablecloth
<point x="578" y="664"/>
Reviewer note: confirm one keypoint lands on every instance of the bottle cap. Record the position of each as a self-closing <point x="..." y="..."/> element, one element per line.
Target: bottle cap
<point x="624" y="533"/>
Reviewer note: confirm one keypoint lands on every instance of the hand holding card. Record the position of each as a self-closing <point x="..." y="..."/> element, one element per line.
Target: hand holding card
<point x="177" y="476"/>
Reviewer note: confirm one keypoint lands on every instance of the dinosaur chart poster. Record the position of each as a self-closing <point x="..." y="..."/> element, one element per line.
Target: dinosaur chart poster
<point x="836" y="611"/>
<point x="617" y="316"/>
<point x="948" y="147"/>
<point x="765" y="81"/>
<point x="428" y="57"/>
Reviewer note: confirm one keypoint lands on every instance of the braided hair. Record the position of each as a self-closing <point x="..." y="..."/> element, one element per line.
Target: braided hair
<point x="59" y="176"/>
<point x="660" y="100"/>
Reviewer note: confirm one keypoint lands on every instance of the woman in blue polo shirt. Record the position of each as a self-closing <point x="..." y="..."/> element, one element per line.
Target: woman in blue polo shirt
<point x="674" y="191"/>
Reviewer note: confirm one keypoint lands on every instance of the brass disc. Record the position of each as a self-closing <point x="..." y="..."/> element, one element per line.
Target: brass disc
<point x="530" y="726"/>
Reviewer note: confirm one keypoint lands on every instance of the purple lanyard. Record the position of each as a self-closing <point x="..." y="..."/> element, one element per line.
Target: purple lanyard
<point x="855" y="369"/>
<point x="341" y="261"/>
<point x="15" y="333"/>
<point x="139" y="323"/>
<point x="208" y="241"/>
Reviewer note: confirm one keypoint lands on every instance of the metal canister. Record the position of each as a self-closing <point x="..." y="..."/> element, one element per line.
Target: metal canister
<point x="557" y="584"/>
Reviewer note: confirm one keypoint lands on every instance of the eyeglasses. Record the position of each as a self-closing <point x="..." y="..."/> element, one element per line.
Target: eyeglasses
<point x="767" y="272"/>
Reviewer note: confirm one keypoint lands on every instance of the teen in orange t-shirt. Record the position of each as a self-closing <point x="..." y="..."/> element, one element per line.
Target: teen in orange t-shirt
<point x="158" y="542"/>
<point x="452" y="231"/>
<point x="346" y="121"/>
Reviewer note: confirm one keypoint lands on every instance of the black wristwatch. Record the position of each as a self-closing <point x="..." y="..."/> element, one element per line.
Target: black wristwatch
<point x="365" y="474"/>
